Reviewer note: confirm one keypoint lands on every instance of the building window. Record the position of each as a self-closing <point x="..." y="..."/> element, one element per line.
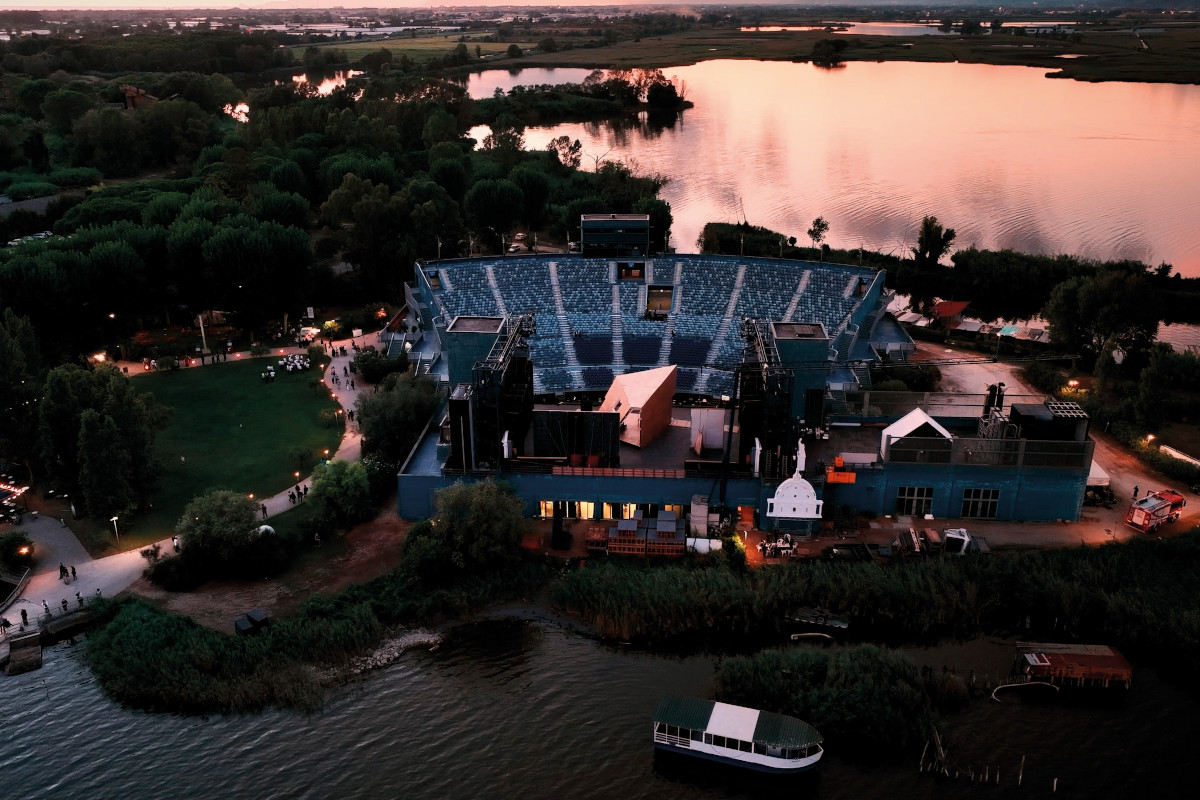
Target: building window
<point x="546" y="508"/>
<point x="980" y="503"/>
<point x="914" y="501"/>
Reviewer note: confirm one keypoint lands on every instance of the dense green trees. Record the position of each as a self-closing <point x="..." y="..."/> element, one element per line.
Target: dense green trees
<point x="1113" y="306"/>
<point x="97" y="434"/>
<point x="392" y="419"/>
<point x="477" y="527"/>
<point x="217" y="528"/>
<point x="933" y="242"/>
<point x="856" y="696"/>
<point x="341" y="493"/>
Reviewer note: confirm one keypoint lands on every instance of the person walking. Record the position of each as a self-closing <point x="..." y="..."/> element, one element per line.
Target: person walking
<point x="175" y="542"/>
<point x="62" y="570"/>
<point x="64" y="605"/>
<point x="73" y="575"/>
<point x="264" y="510"/>
<point x="1135" y="493"/>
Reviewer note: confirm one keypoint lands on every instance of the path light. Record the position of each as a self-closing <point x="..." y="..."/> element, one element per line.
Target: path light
<point x="1149" y="438"/>
<point x="116" y="532"/>
<point x="296" y="474"/>
<point x="252" y="495"/>
<point x="1072" y="383"/>
<point x="326" y="451"/>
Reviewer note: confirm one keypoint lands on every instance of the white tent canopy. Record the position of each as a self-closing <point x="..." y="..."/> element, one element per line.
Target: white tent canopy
<point x="1097" y="476"/>
<point x="907" y="425"/>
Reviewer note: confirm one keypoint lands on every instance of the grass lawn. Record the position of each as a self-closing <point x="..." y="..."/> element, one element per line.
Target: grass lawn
<point x="228" y="430"/>
<point x="422" y="48"/>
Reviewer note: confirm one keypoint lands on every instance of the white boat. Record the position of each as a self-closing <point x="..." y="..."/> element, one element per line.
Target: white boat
<point x="745" y="737"/>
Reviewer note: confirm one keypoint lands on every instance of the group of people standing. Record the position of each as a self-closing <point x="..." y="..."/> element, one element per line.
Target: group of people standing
<point x="66" y="574"/>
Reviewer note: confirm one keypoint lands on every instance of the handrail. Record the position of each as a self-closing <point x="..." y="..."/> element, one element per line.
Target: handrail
<point x="20" y="582"/>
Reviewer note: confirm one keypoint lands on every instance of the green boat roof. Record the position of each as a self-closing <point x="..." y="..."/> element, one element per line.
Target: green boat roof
<point x="784" y="731"/>
<point x="686" y="712"/>
<point x="770" y="728"/>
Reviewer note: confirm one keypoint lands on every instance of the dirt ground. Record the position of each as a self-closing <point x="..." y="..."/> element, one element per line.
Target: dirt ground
<point x="365" y="552"/>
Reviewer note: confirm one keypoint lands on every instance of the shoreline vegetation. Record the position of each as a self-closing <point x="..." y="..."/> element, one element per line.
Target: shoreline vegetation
<point x="1102" y="53"/>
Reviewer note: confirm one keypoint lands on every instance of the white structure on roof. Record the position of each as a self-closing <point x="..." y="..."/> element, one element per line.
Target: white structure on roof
<point x="911" y="423"/>
<point x="795" y="498"/>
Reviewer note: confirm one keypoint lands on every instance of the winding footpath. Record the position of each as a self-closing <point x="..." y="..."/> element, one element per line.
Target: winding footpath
<point x="111" y="575"/>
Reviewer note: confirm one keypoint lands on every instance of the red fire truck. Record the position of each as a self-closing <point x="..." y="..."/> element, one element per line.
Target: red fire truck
<point x="1154" y="509"/>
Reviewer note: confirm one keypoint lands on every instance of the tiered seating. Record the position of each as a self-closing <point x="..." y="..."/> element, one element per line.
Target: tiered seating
<point x="692" y="326"/>
<point x="556" y="380"/>
<point x="471" y="303"/>
<point x="685" y="380"/>
<point x="719" y="383"/>
<point x="630" y="292"/>
<point x="688" y="352"/>
<point x="597" y="377"/>
<point x="636" y="326"/>
<point x="767" y="291"/>
<point x="729" y="352"/>
<point x="594" y="349"/>
<point x="525" y="286"/>
<point x="641" y="349"/>
<point x="584" y="284"/>
<point x="708" y="283"/>
<point x="590" y="324"/>
<point x="547" y="352"/>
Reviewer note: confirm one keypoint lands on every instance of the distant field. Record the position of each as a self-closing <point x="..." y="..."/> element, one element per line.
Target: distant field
<point x="424" y="47"/>
<point x="232" y="432"/>
<point x="1110" y="53"/>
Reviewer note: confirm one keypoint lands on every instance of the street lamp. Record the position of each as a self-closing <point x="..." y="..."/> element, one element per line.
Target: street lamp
<point x="116" y="533"/>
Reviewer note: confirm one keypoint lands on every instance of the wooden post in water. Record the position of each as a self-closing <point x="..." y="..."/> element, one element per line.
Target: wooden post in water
<point x="921" y="768"/>
<point x="1055" y="789"/>
<point x="1021" y="771"/>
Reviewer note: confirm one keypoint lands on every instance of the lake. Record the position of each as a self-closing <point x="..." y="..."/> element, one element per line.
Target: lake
<point x="524" y="709"/>
<point x="1005" y="156"/>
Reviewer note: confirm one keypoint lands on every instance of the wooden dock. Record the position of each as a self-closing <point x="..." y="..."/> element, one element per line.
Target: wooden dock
<point x="24" y="652"/>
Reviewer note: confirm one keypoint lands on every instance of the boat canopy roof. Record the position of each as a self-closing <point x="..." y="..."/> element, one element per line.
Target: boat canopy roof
<point x="738" y="722"/>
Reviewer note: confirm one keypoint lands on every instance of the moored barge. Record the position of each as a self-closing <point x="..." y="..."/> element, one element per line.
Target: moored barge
<point x="746" y="737"/>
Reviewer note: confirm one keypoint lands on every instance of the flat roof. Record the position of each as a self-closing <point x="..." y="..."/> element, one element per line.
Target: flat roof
<point x="626" y="217"/>
<point x="798" y="330"/>
<point x="475" y="325"/>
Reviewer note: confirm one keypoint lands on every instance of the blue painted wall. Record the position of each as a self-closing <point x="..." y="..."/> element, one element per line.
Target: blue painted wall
<point x="1031" y="494"/>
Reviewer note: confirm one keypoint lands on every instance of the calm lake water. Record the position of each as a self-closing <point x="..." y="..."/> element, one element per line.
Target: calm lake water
<point x="524" y="709"/>
<point x="1005" y="156"/>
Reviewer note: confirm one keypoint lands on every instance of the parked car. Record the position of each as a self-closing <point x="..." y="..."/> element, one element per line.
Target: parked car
<point x="516" y="248"/>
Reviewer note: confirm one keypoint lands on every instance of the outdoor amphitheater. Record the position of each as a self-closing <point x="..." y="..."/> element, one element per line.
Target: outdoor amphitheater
<point x="601" y="317"/>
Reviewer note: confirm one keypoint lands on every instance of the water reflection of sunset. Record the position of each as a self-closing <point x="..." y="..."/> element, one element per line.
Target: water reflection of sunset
<point x="1002" y="154"/>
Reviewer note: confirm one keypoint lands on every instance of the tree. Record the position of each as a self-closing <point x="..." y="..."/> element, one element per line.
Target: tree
<point x="818" y="230"/>
<point x="548" y="45"/>
<point x="477" y="527"/>
<point x="392" y="419"/>
<point x="568" y="153"/>
<point x="103" y="466"/>
<point x="341" y="492"/>
<point x="494" y="204"/>
<point x="1113" y="308"/>
<point x="21" y="382"/>
<point x="217" y="528"/>
<point x="514" y="51"/>
<point x="933" y="242"/>
<point x="535" y="191"/>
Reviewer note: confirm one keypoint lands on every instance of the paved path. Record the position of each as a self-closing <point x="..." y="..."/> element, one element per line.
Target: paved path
<point x="113" y="574"/>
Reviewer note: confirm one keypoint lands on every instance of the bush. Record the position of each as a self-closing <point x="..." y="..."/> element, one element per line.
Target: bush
<point x="862" y="696"/>
<point x="30" y="189"/>
<point x="374" y="366"/>
<point x="75" y="176"/>
<point x="11" y="556"/>
<point x="1044" y="377"/>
